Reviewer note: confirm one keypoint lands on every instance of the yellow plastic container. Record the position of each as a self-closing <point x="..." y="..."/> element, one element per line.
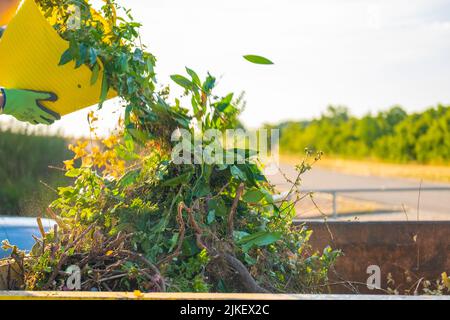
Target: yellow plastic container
<point x="9" y="14"/>
<point x="30" y="51"/>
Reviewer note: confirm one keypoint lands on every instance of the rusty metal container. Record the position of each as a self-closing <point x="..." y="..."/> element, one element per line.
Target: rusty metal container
<point x="408" y="251"/>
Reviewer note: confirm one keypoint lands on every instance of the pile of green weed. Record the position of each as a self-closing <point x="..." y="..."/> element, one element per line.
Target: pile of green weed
<point x="136" y="219"/>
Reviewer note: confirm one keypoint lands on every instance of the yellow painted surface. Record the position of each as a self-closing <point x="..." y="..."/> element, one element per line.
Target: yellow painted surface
<point x="54" y="295"/>
<point x="27" y="295"/>
<point x="30" y="51"/>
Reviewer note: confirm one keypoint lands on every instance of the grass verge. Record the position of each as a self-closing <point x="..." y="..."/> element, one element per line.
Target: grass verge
<point x="25" y="177"/>
<point x="436" y="173"/>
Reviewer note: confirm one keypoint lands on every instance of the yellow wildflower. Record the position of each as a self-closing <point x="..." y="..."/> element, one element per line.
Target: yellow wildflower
<point x="95" y="149"/>
<point x="137" y="293"/>
<point x="79" y="149"/>
<point x="92" y="117"/>
<point x="87" y="162"/>
<point x="445" y="280"/>
<point x="68" y="164"/>
<point x="111" y="142"/>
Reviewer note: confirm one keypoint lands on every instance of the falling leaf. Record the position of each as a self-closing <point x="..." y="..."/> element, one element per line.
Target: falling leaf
<point x="257" y="59"/>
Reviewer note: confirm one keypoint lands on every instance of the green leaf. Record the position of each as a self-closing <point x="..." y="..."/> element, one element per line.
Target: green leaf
<point x="219" y="207"/>
<point x="105" y="88"/>
<point x="224" y="103"/>
<point x="209" y="83"/>
<point x="253" y="196"/>
<point x="195" y="105"/>
<point x="66" y="191"/>
<point x="194" y="76"/>
<point x="238" y="235"/>
<point x="95" y="74"/>
<point x="257" y="59"/>
<point x="267" y="195"/>
<point x="258" y="239"/>
<point x="211" y="217"/>
<point x="92" y="56"/>
<point x="173" y="241"/>
<point x="182" y="81"/>
<point x="190" y="247"/>
<point x="129" y="143"/>
<point x="73" y="47"/>
<point x="138" y="55"/>
<point x="124" y="153"/>
<point x="221" y="167"/>
<point x="249" y="260"/>
<point x="183" y="178"/>
<point x="129" y="178"/>
<point x="201" y="190"/>
<point x="131" y="85"/>
<point x="73" y="173"/>
<point x="248" y="173"/>
<point x="237" y="173"/>
<point x="66" y="57"/>
<point x="256" y="172"/>
<point x="123" y="63"/>
<point x="81" y="56"/>
<point x="150" y="67"/>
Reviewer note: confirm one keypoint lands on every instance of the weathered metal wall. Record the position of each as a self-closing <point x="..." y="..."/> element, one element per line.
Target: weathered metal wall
<point x="409" y="251"/>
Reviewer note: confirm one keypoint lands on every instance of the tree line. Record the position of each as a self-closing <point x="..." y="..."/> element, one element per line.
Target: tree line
<point x="392" y="135"/>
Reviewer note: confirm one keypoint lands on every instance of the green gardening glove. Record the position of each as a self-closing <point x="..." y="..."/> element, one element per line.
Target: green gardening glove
<point x="26" y="106"/>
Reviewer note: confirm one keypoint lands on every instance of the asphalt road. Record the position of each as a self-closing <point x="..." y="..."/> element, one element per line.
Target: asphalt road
<point x="433" y="205"/>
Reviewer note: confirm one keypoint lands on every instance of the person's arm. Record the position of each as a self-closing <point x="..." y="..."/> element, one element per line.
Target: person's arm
<point x="26" y="105"/>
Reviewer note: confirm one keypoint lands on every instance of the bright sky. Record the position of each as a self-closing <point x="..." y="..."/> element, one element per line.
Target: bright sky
<point x="367" y="55"/>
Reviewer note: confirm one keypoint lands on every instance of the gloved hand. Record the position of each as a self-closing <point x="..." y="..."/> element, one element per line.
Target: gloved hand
<point x="25" y="105"/>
